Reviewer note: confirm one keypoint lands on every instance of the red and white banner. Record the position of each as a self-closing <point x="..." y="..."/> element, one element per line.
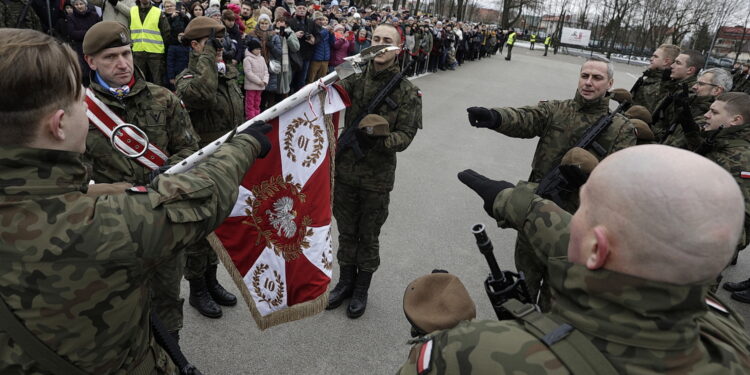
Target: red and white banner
<point x="278" y="236"/>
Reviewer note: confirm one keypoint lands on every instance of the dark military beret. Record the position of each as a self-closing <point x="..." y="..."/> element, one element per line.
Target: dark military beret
<point x="638" y="112"/>
<point x="642" y="131"/>
<point x="621" y="95"/>
<point x="375" y="125"/>
<point x="103" y="35"/>
<point x="580" y="158"/>
<point x="201" y="27"/>
<point x="437" y="301"/>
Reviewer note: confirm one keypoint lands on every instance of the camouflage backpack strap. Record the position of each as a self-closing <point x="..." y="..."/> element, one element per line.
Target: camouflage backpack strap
<point x="570" y="346"/>
<point x="48" y="360"/>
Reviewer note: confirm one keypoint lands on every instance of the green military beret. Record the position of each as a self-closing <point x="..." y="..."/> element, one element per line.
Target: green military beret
<point x="375" y="125"/>
<point x="437" y="301"/>
<point x="642" y="130"/>
<point x="621" y="95"/>
<point x="201" y="27"/>
<point x="580" y="158"/>
<point x="103" y="35"/>
<point x="638" y="112"/>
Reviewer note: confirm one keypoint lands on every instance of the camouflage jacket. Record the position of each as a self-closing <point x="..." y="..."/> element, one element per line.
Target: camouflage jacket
<point x="666" y="111"/>
<point x="154" y="110"/>
<point x="741" y="83"/>
<point x="76" y="267"/>
<point x="559" y="124"/>
<point x="214" y="100"/>
<point x="640" y="326"/>
<point x="11" y="13"/>
<point x="646" y="90"/>
<point x="732" y="152"/>
<point x="698" y="105"/>
<point x="377" y="169"/>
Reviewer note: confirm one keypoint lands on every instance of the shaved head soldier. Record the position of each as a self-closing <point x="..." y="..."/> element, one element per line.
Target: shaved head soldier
<point x="630" y="272"/>
<point x="683" y="76"/>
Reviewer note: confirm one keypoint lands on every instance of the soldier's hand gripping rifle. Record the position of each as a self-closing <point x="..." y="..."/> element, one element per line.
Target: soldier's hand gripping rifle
<point x="558" y="180"/>
<point x="351" y="65"/>
<point x="349" y="137"/>
<point x="500" y="285"/>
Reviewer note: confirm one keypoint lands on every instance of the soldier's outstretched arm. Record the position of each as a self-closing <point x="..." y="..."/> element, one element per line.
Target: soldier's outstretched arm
<point x="198" y="89"/>
<point x="544" y="223"/>
<point x="180" y="209"/>
<point x="524" y="122"/>
<point x="408" y="121"/>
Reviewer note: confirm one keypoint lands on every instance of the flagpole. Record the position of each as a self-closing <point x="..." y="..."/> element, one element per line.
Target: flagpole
<point x="350" y="66"/>
<point x="269" y="114"/>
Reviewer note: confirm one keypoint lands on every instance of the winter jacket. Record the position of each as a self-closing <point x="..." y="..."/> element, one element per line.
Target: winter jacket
<point x="308" y="26"/>
<point x="256" y="71"/>
<point x="177" y="25"/>
<point x="340" y="50"/>
<point x="322" y="51"/>
<point x="291" y="44"/>
<point x="79" y="24"/>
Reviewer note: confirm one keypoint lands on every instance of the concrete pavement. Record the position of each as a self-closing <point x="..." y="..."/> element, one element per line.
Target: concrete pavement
<point x="430" y="216"/>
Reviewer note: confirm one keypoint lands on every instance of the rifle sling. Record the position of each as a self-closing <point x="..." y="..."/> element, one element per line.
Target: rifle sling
<point x="568" y="344"/>
<point x="47" y="359"/>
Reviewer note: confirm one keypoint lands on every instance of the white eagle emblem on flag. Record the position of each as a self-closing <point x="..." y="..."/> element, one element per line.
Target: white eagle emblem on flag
<point x="282" y="217"/>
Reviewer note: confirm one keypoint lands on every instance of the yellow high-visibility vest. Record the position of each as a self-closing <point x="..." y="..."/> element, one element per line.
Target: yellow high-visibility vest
<point x="533" y="38"/>
<point x="511" y="38"/>
<point x="547" y="40"/>
<point x="146" y="36"/>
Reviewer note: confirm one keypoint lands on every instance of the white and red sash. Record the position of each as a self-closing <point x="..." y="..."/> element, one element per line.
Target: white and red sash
<point x="106" y="121"/>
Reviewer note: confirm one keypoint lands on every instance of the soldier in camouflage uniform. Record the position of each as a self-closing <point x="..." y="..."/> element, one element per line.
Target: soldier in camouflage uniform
<point x="646" y="90"/>
<point x="710" y="84"/>
<point x="76" y="268"/>
<point x="559" y="125"/>
<point x="214" y="100"/>
<point x="159" y="114"/>
<point x="362" y="185"/>
<point x="728" y="129"/>
<point x="684" y="71"/>
<point x="11" y="12"/>
<point x="628" y="294"/>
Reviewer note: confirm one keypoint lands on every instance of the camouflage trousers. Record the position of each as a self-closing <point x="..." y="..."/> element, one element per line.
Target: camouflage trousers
<point x="535" y="271"/>
<point x="199" y="256"/>
<point x="359" y="216"/>
<point x="165" y="292"/>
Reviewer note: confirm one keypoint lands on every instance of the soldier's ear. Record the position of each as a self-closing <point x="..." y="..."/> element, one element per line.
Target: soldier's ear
<point x="600" y="251"/>
<point x="53" y="127"/>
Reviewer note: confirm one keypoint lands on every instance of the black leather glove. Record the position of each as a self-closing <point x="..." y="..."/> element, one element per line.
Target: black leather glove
<point x="574" y="175"/>
<point x="258" y="131"/>
<point x="666" y="74"/>
<point x="480" y="117"/>
<point x="158" y="171"/>
<point x="113" y="2"/>
<point x="365" y="141"/>
<point x="486" y="188"/>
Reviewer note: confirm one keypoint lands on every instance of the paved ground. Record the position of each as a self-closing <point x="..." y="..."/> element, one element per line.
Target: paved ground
<point x="430" y="216"/>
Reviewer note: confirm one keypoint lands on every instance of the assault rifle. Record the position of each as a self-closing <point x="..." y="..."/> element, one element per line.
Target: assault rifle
<point x="348" y="137"/>
<point x="500" y="286"/>
<point x="557" y="180"/>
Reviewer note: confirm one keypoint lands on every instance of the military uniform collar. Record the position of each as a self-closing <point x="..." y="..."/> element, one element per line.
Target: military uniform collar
<point x="138" y="86"/>
<point x="41" y="171"/>
<point x="652" y="73"/>
<point x="625" y="309"/>
<point x="733" y="132"/>
<point x="386" y="73"/>
<point x="689" y="81"/>
<point x="599" y="105"/>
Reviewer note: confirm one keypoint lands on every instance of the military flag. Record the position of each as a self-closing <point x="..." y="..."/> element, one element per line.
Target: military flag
<point x="276" y="244"/>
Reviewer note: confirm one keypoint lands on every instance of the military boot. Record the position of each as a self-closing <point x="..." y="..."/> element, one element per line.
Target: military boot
<point x="201" y="300"/>
<point x="217" y="292"/>
<point x="358" y="304"/>
<point x="343" y="288"/>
